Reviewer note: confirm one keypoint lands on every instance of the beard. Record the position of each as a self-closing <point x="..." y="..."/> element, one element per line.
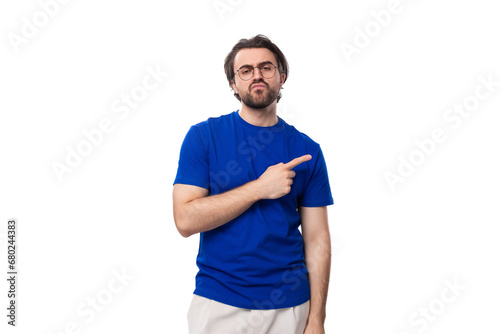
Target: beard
<point x="259" y="99"/>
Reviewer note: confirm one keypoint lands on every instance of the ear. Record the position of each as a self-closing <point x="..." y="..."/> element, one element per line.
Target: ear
<point x="233" y="84"/>
<point x="282" y="78"/>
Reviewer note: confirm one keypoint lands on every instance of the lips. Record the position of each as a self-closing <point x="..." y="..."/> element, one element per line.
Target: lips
<point x="258" y="86"/>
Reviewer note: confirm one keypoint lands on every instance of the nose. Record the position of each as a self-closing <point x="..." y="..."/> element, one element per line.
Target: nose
<point x="257" y="73"/>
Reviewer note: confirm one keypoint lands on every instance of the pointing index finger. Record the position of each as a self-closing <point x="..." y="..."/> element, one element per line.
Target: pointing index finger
<point x="298" y="161"/>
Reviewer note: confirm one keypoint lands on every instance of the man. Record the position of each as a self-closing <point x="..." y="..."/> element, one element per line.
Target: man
<point x="246" y="181"/>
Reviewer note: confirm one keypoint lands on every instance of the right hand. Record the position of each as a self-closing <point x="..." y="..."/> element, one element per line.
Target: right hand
<point x="277" y="180"/>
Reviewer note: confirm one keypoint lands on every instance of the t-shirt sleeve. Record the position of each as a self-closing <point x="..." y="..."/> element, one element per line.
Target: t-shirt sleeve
<point x="317" y="191"/>
<point x="193" y="166"/>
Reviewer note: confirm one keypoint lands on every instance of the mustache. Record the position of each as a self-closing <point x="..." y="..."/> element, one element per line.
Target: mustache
<point x="259" y="82"/>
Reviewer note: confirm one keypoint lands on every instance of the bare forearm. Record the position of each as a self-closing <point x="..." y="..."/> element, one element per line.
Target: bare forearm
<point x="206" y="213"/>
<point x="318" y="260"/>
<point x="195" y="212"/>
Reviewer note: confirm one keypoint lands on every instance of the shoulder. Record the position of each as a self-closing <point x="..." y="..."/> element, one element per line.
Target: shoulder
<point x="310" y="144"/>
<point x="204" y="127"/>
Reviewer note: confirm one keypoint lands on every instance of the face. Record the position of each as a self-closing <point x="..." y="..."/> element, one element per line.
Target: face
<point x="258" y="92"/>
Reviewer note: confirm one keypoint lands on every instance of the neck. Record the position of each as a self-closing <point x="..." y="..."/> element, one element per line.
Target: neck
<point x="259" y="117"/>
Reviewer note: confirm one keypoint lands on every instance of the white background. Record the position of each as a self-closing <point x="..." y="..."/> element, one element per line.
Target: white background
<point x="393" y="250"/>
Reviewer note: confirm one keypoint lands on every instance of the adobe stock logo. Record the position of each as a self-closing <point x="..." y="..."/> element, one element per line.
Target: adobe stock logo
<point x="30" y="28"/>
<point x="380" y="20"/>
<point x="421" y="319"/>
<point x="122" y="106"/>
<point x="296" y="276"/>
<point x="249" y="148"/>
<point x="98" y="302"/>
<point x="223" y="6"/>
<point x="454" y="117"/>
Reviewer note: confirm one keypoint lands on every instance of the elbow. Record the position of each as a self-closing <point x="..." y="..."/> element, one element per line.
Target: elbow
<point x="184" y="232"/>
<point x="182" y="227"/>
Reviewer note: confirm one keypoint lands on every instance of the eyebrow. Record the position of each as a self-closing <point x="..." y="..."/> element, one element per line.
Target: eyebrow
<point x="258" y="65"/>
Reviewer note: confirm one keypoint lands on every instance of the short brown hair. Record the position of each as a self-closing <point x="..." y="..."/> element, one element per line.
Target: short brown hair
<point x="258" y="41"/>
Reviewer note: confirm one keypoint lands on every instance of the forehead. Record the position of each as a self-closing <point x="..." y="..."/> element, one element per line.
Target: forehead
<point x="253" y="57"/>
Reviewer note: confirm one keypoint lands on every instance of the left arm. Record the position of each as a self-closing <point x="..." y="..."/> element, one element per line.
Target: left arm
<point x="317" y="249"/>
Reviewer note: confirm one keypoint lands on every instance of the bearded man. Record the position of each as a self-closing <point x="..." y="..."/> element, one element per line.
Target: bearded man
<point x="246" y="181"/>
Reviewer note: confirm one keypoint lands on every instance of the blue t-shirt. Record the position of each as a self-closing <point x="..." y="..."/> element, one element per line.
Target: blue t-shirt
<point x="255" y="261"/>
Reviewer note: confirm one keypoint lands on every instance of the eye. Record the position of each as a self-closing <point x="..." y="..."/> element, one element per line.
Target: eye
<point x="245" y="71"/>
<point x="267" y="68"/>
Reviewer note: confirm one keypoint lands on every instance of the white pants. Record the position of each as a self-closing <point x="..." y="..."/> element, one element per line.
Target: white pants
<point x="206" y="316"/>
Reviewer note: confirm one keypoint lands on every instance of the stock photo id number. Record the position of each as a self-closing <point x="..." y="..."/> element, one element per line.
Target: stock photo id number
<point x="11" y="272"/>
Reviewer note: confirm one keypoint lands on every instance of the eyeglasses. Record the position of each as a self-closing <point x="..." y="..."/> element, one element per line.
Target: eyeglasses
<point x="246" y="72"/>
